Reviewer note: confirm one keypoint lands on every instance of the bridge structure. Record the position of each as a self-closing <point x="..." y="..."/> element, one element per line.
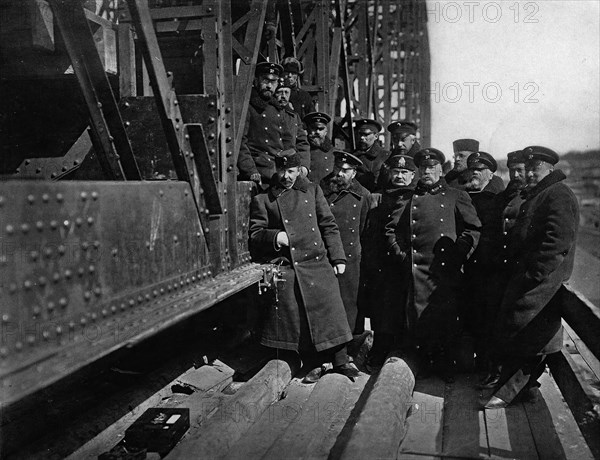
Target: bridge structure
<point x="121" y="215"/>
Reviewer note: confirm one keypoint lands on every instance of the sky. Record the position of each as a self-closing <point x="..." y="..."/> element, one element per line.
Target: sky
<point x="515" y="73"/>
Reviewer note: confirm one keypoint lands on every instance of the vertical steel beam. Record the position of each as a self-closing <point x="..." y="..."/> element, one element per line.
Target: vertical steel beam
<point x="108" y="131"/>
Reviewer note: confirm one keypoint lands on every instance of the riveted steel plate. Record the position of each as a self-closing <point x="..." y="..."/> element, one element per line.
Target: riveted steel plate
<point x="76" y="254"/>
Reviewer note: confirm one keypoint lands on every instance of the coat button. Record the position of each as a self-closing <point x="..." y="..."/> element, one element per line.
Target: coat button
<point x="354" y="218"/>
<point x="293" y="249"/>
<point x="352" y="230"/>
<point x="414" y="236"/>
<point x="505" y="260"/>
<point x="414" y="207"/>
<point x="306" y="201"/>
<point x="351" y="243"/>
<point x="267" y="141"/>
<point x="313" y="229"/>
<point x="441" y="220"/>
<point x="504" y="246"/>
<point x="441" y="205"/>
<point x="441" y="234"/>
<point x="355" y="206"/>
<point x="266" y="128"/>
<point x="332" y="204"/>
<point x="443" y="249"/>
<point x="414" y="221"/>
<point x="349" y="255"/>
<point x="295" y="263"/>
<point x="443" y="263"/>
<point x="414" y="265"/>
<point x="310" y="215"/>
<point x="264" y="115"/>
<point x="315" y="243"/>
<point x="505" y="233"/>
<point x="415" y="251"/>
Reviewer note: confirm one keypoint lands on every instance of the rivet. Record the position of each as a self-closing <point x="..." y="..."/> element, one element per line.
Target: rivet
<point x="78" y="221"/>
<point x="91" y="268"/>
<point x="19" y="346"/>
<point x="64" y="168"/>
<point x="27" y="284"/>
<point x="104" y="312"/>
<point x="68" y="274"/>
<point x="5" y="318"/>
<point x="27" y="162"/>
<point x="211" y="119"/>
<point x="46" y="335"/>
<point x="83" y="321"/>
<point x="85" y="245"/>
<point x="198" y="234"/>
<point x="39" y="225"/>
<point x="211" y="104"/>
<point x="97" y="291"/>
<point x="211" y="136"/>
<point x="140" y="299"/>
<point x="1" y="201"/>
<point x="48" y="252"/>
<point x="161" y="193"/>
<point x="175" y="238"/>
<point x="83" y="196"/>
<point x="56" y="277"/>
<point x="148" y="244"/>
<point x="90" y="220"/>
<point x="127" y="124"/>
<point x="38" y="170"/>
<point x="42" y="281"/>
<point x="228" y="139"/>
<point x="94" y="195"/>
<point x="147" y="296"/>
<point x="36" y="310"/>
<point x="228" y="110"/>
<point x="80" y="271"/>
<point x="4" y="352"/>
<point x="45" y="197"/>
<point x="25" y="228"/>
<point x="53" y="176"/>
<point x="59" y="197"/>
<point x="96" y="244"/>
<point x="71" y="325"/>
<point x="75" y="162"/>
<point x="229" y="168"/>
<point x="162" y="290"/>
<point x="10" y="229"/>
<point x="123" y="307"/>
<point x="62" y="249"/>
<point x="31" y="199"/>
<point x="113" y="309"/>
<point x="87" y="295"/>
<point x="93" y="316"/>
<point x="155" y="293"/>
<point x="114" y="252"/>
<point x="66" y="224"/>
<point x="50" y="306"/>
<point x="30" y="339"/>
<point x="63" y="302"/>
<point x="53" y="224"/>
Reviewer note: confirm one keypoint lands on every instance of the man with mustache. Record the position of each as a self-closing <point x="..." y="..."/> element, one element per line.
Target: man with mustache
<point x="430" y="236"/>
<point x="541" y="254"/>
<point x="458" y="176"/>
<point x="349" y="202"/>
<point x="291" y="225"/>
<point x="321" y="148"/>
<point x="301" y="101"/>
<point x="269" y="128"/>
<point x="480" y="267"/>
<point x="386" y="281"/>
<point x="370" y="153"/>
<point x="404" y="142"/>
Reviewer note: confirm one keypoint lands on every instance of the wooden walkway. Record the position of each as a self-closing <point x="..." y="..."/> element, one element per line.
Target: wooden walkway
<point x="275" y="416"/>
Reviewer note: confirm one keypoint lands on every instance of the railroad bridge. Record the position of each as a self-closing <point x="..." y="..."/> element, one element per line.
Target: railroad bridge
<point x="126" y="281"/>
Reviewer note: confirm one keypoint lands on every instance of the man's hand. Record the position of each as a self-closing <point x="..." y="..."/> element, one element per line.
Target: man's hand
<point x="282" y="239"/>
<point x="303" y="171"/>
<point x="339" y="269"/>
<point x="255" y="178"/>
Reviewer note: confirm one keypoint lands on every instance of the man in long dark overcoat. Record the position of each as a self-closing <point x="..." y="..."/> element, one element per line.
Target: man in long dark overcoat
<point x="321" y="148"/>
<point x="370" y="152"/>
<point x="291" y="224"/>
<point x="542" y="249"/>
<point x="269" y="128"/>
<point x="479" y="269"/>
<point x="350" y="203"/>
<point x="432" y="236"/>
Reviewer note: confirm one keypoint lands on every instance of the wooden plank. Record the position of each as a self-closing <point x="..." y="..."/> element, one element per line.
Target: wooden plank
<point x="464" y="432"/>
<point x="382" y="424"/>
<point x="127" y="86"/>
<point x="232" y="419"/>
<point x="579" y="346"/>
<point x="553" y="427"/>
<point x="508" y="433"/>
<point x="425" y="423"/>
<point x="205" y="379"/>
<point x="272" y="423"/>
<point x="582" y="316"/>
<point x="323" y="415"/>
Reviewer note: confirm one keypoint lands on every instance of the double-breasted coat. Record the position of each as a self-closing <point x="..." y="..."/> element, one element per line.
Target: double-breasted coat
<point x="373" y="158"/>
<point x="435" y="232"/>
<point x="321" y="161"/>
<point x="310" y="311"/>
<point x="350" y="208"/>
<point x="542" y="250"/>
<point x="269" y="129"/>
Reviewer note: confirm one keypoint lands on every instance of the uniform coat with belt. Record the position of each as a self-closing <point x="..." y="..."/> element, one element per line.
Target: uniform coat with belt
<point x="435" y="232"/>
<point x="310" y="311"/>
<point x="269" y="129"/>
<point x="542" y="249"/>
<point x="350" y="208"/>
<point x="373" y="158"/>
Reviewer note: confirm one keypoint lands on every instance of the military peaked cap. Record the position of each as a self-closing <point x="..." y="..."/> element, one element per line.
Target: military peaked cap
<point x="480" y="160"/>
<point x="282" y="84"/>
<point x="535" y="152"/>
<point x="465" y="145"/>
<point x="287" y="159"/>
<point x="263" y="68"/>
<point x="401" y="162"/>
<point x="429" y="157"/>
<point x="345" y="157"/>
<point x="403" y="127"/>
<point x="515" y="157"/>
<point x="316" y="117"/>
<point x="368" y="123"/>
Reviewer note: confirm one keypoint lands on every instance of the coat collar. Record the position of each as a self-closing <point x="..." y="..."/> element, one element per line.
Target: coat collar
<point x="355" y="189"/>
<point x="260" y="104"/>
<point x="276" y="189"/>
<point x="372" y="152"/>
<point x="326" y="147"/>
<point x="554" y="177"/>
<point x="439" y="186"/>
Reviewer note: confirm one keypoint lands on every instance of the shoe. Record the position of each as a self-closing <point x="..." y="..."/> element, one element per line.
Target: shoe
<point x="348" y="369"/>
<point x="313" y="376"/>
<point x="489" y="381"/>
<point x="495" y="403"/>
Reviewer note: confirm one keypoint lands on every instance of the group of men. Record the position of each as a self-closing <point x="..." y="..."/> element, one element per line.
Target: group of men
<point x="384" y="234"/>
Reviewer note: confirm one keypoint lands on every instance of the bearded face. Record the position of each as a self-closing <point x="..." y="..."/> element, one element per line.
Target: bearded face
<point x="343" y="173"/>
<point x="317" y="133"/>
<point x="478" y="179"/>
<point x="517" y="175"/>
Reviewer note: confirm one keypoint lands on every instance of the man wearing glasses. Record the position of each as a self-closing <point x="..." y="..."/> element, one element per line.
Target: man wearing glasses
<point x="370" y="152"/>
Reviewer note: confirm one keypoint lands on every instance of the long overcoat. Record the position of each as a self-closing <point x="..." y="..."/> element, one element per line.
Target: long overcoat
<point x="542" y="249"/>
<point x="373" y="158"/>
<point x="437" y="230"/>
<point x="350" y="208"/>
<point x="310" y="310"/>
<point x="321" y="161"/>
<point x="269" y="129"/>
